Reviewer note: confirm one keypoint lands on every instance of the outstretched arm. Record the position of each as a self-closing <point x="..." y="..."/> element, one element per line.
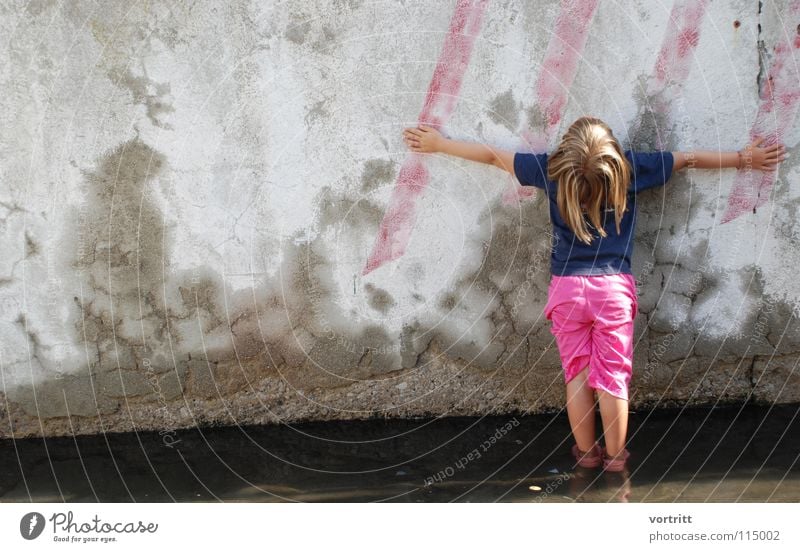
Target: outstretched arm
<point x="751" y="156"/>
<point x="426" y="139"/>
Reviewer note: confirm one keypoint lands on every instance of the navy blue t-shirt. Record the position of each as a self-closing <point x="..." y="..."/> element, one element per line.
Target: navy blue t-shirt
<point x="609" y="255"/>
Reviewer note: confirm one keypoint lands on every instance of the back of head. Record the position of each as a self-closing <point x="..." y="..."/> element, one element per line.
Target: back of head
<point x="592" y="174"/>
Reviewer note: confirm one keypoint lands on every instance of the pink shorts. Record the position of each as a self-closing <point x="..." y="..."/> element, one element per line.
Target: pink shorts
<point x="592" y="319"/>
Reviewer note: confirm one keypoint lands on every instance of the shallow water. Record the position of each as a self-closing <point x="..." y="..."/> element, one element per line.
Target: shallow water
<point x="727" y="454"/>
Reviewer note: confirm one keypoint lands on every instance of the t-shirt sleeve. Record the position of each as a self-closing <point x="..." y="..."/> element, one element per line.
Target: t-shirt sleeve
<point x="650" y="169"/>
<point x="531" y="169"/>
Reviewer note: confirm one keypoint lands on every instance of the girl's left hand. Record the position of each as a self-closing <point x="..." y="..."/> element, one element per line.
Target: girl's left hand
<point x="763" y="159"/>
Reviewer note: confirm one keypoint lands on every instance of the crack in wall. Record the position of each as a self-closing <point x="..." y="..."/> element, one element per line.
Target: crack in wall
<point x="761" y="50"/>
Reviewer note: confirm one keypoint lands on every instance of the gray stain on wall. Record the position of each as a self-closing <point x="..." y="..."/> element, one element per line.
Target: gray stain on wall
<point x="504" y="110"/>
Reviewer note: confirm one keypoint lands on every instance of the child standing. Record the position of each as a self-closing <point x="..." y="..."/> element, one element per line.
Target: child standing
<point x="591" y="186"/>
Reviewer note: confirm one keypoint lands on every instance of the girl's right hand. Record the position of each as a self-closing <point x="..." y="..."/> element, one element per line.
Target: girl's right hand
<point x="762" y="159"/>
<point x="423" y="139"/>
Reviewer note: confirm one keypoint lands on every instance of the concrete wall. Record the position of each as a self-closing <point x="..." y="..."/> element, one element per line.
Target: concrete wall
<point x="201" y="219"/>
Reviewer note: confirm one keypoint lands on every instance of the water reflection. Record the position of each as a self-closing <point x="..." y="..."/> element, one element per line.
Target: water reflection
<point x="728" y="454"/>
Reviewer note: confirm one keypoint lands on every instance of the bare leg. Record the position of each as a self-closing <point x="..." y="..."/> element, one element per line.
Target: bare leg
<point x="580" y="409"/>
<point x="614" y="413"/>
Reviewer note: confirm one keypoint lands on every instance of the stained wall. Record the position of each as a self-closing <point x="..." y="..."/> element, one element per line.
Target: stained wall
<point x="209" y="215"/>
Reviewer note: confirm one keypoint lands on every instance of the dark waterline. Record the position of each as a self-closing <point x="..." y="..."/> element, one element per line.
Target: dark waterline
<point x="729" y="454"/>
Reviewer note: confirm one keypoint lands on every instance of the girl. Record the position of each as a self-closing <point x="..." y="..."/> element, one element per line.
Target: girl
<point x="591" y="185"/>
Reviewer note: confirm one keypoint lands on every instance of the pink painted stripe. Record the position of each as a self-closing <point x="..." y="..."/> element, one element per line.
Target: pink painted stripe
<point x="559" y="67"/>
<point x="777" y="109"/>
<point x="681" y="38"/>
<point x="561" y="59"/>
<point x="440" y="101"/>
<point x="673" y="62"/>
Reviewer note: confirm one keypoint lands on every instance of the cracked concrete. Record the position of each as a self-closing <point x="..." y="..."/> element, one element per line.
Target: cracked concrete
<point x="193" y="191"/>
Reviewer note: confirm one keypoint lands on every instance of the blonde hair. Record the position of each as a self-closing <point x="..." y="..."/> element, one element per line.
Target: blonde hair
<point x="592" y="174"/>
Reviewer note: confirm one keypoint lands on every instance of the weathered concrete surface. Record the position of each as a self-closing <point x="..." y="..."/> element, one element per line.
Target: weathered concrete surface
<point x="190" y="192"/>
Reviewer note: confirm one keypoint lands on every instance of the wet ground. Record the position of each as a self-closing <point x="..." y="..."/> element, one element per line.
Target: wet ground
<point x="727" y="454"/>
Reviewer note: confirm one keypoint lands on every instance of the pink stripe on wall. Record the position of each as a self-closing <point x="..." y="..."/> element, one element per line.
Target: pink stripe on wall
<point x="440" y="101"/>
<point x="560" y="64"/>
<point x="680" y="41"/>
<point x="559" y="67"/>
<point x="777" y="110"/>
<point x="673" y="64"/>
<point x="674" y="61"/>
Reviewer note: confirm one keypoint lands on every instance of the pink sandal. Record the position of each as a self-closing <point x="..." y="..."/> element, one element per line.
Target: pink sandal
<point x="616" y="464"/>
<point x="591" y="459"/>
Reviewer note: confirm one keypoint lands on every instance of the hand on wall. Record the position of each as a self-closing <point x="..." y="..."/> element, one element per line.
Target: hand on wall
<point x="762" y="159"/>
<point x="423" y="139"/>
